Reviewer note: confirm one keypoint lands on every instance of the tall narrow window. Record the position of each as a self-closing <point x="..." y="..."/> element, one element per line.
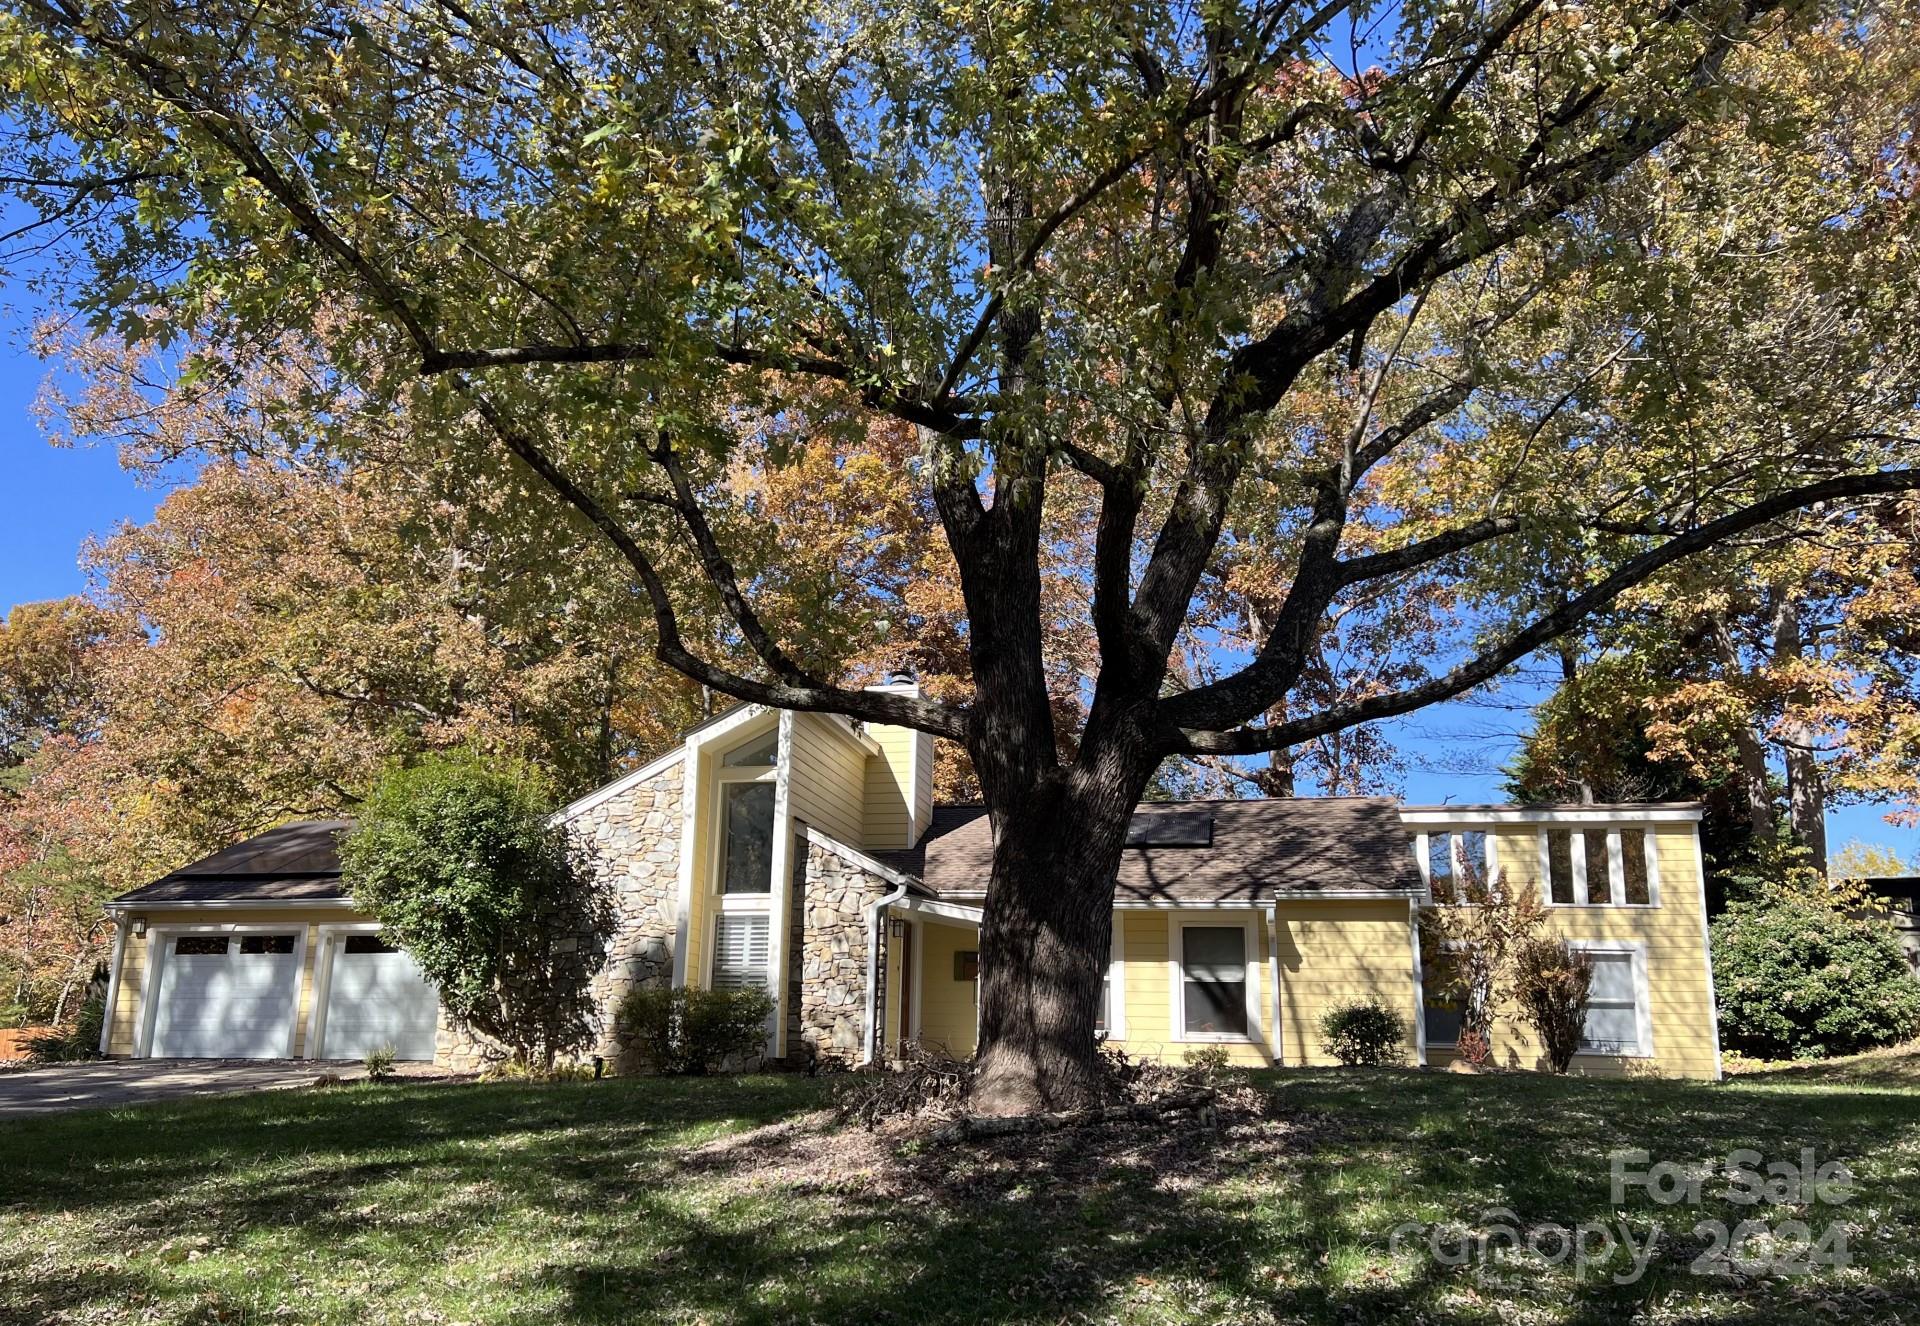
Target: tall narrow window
<point x="1613" y="1020"/>
<point x="1472" y="851"/>
<point x="1440" y="866"/>
<point x="1599" y="867"/>
<point x="1633" y="863"/>
<point x="740" y="951"/>
<point x="1213" y="980"/>
<point x="1445" y="1001"/>
<point x="748" y="845"/>
<point x="1560" y="865"/>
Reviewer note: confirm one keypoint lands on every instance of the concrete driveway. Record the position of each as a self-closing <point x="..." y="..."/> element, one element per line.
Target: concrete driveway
<point x="85" y="1086"/>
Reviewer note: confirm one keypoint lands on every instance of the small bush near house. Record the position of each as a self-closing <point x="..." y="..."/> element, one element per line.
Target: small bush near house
<point x="682" y="1031"/>
<point x="457" y="858"/>
<point x="1551" y="982"/>
<point x="70" y="1044"/>
<point x="1799" y="980"/>
<point x="379" y="1063"/>
<point x="1365" y="1033"/>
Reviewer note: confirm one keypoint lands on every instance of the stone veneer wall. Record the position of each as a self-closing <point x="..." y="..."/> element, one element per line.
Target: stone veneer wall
<point x="637" y="837"/>
<point x="829" y="1023"/>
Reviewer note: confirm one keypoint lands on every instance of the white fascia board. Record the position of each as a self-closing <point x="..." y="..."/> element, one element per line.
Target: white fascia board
<point x="229" y="904"/>
<point x="946" y="911"/>
<point x="1225" y="904"/>
<point x="586" y="803"/>
<point x="1472" y="817"/>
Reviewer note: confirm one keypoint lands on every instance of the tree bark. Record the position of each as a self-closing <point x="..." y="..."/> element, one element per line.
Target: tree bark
<point x="1045" y="932"/>
<point x="1753" y="755"/>
<point x="1806" y="787"/>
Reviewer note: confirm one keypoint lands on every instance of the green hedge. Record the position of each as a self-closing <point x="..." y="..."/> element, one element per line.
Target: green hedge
<point x="1798" y="980"/>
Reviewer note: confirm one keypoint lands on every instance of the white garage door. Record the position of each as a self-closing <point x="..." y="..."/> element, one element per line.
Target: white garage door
<point x="227" y="997"/>
<point x="377" y="996"/>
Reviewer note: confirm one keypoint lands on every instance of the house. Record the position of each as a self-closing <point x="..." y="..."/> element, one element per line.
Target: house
<point x="803" y="854"/>
<point x="1898" y="897"/>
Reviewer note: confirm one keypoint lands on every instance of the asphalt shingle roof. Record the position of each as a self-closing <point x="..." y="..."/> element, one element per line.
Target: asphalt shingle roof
<point x="298" y="862"/>
<point x="1255" y="851"/>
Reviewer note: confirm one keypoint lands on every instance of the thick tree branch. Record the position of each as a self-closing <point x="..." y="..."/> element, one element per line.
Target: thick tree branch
<point x="670" y="647"/>
<point x="1490" y="662"/>
<point x="720" y="572"/>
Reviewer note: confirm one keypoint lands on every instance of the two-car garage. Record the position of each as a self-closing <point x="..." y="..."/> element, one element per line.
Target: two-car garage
<point x="257" y="952"/>
<point x="254" y="994"/>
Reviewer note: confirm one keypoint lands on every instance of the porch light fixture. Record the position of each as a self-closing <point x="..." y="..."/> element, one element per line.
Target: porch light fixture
<point x="140" y="927"/>
<point x="896" y="928"/>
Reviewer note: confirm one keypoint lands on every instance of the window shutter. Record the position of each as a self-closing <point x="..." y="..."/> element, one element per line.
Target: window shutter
<point x="740" y="951"/>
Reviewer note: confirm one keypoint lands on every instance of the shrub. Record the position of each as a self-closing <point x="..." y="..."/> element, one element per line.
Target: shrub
<point x="1478" y="930"/>
<point x="1797" y="979"/>
<point x="684" y="1031"/>
<point x="79" y="1041"/>
<point x="379" y="1063"/>
<point x="504" y="913"/>
<point x="1551" y="982"/>
<point x="1363" y="1033"/>
<point x="1209" y="1062"/>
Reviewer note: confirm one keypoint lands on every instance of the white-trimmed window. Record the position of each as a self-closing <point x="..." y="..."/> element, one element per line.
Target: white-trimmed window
<point x="740" y="951"/>
<point x="1450" y="857"/>
<point x="1214" y="997"/>
<point x="742" y="863"/>
<point x="1619" y="1020"/>
<point x="1600" y="866"/>
<point x="1445" y="1002"/>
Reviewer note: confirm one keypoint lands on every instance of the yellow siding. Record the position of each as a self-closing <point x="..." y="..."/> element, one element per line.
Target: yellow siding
<point x="948" y="1017"/>
<point x="129" y="1000"/>
<point x="1146" y="961"/>
<point x="1678" y="988"/>
<point x="903" y="769"/>
<point x="828" y="780"/>
<point x="1336" y="952"/>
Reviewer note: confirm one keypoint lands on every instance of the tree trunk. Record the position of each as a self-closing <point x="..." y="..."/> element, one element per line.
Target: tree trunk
<point x="1753" y="755"/>
<point x="1806" y="788"/>
<point x="1044" y="936"/>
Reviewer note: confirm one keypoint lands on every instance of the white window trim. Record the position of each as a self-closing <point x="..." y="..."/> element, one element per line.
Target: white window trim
<point x="1420" y="984"/>
<point x="1177" y="924"/>
<point x="157" y="937"/>
<point x="1642" y="997"/>
<point x="1117" y="983"/>
<point x="1423" y="840"/>
<point x="1616" y="868"/>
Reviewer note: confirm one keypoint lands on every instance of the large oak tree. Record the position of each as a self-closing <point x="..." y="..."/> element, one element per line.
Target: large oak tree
<point x="1360" y="289"/>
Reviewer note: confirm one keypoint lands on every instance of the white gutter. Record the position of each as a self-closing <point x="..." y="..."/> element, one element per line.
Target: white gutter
<point x="874" y="909"/>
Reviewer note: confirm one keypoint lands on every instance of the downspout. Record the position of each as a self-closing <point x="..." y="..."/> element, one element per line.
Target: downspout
<point x="113" y="980"/>
<point x="874" y="909"/>
<point x="1419" y="987"/>
<point x="1273" y="960"/>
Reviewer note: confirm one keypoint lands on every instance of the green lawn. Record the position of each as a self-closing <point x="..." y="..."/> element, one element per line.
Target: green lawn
<point x="629" y="1201"/>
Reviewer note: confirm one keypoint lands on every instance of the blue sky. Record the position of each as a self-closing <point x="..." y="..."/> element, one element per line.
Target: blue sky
<point x="52" y="500"/>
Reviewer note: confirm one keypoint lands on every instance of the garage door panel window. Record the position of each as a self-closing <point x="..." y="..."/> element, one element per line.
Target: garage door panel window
<point x="265" y="944"/>
<point x="189" y="946"/>
<point x="368" y="944"/>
